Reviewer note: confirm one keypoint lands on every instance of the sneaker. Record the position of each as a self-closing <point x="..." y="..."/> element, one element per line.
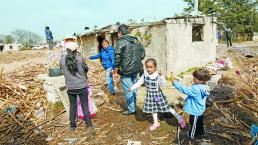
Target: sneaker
<point x="154" y="127"/>
<point x="128" y="113"/>
<point x="182" y="122"/>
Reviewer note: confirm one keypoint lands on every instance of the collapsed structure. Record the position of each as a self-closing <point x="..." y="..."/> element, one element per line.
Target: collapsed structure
<point x="176" y="43"/>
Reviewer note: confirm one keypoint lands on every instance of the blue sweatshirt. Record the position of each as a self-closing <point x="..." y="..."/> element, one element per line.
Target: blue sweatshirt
<point x="107" y="56"/>
<point x="195" y="102"/>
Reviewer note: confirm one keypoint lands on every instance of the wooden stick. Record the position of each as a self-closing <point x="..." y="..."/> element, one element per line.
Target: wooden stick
<point x="218" y="134"/>
<point x="46" y="121"/>
<point x="112" y="109"/>
<point x="30" y="111"/>
<point x="242" y="134"/>
<point x="16" y="120"/>
<point x="226" y="125"/>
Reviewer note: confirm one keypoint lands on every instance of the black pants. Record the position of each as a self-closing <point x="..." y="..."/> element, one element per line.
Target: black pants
<point x="196" y="123"/>
<point x="229" y="42"/>
<point x="83" y="94"/>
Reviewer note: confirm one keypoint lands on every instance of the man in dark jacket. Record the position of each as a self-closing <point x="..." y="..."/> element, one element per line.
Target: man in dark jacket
<point x="228" y="32"/>
<point x="128" y="63"/>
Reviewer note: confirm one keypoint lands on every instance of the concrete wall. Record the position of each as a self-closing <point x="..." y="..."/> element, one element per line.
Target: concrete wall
<point x="157" y="46"/>
<point x="182" y="53"/>
<point x="90" y="45"/>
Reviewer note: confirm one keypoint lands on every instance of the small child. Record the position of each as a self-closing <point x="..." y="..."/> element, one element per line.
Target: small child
<point x="195" y="101"/>
<point x="155" y="100"/>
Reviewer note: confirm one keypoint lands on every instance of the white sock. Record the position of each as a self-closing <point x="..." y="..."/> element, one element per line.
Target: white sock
<point x="155" y="118"/>
<point x="171" y="110"/>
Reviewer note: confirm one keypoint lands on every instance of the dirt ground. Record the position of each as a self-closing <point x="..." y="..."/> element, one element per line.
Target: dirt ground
<point x="112" y="128"/>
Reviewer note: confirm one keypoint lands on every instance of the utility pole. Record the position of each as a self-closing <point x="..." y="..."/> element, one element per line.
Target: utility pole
<point x="196" y="7"/>
<point x="154" y="17"/>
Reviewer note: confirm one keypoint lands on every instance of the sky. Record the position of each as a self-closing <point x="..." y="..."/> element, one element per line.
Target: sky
<point x="69" y="16"/>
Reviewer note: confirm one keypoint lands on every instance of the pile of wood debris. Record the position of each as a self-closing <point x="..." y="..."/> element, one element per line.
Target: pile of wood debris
<point x="21" y="94"/>
<point x="229" y="120"/>
<point x="23" y="103"/>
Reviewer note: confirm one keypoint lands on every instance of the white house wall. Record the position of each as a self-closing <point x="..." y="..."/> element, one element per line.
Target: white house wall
<point x="182" y="53"/>
<point x="157" y="47"/>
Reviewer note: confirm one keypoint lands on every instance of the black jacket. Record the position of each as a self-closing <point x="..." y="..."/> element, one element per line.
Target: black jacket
<point x="129" y="54"/>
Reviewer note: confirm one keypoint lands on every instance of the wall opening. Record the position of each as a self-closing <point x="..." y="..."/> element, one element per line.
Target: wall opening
<point x="1" y="48"/>
<point x="114" y="37"/>
<point x="100" y="38"/>
<point x="197" y="32"/>
<point x="10" y="47"/>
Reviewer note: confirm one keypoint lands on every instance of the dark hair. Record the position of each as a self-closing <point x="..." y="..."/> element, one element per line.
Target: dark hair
<point x="71" y="62"/>
<point x="202" y="75"/>
<point x="123" y="29"/>
<point x="152" y="60"/>
<point x="47" y="27"/>
<point x="105" y="40"/>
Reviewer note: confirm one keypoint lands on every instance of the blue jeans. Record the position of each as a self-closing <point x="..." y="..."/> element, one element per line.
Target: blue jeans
<point x="127" y="82"/>
<point x="109" y="80"/>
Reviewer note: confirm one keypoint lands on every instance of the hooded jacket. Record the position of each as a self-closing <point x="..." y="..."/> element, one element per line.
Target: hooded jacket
<point x="195" y="102"/>
<point x="129" y="55"/>
<point x="107" y="57"/>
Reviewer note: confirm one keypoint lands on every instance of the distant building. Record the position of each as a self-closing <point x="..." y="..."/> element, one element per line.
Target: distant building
<point x="255" y="36"/>
<point x="10" y="47"/>
<point x="176" y="43"/>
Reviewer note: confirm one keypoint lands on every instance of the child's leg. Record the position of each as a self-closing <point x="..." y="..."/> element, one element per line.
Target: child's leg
<point x="179" y="119"/>
<point x="199" y="126"/>
<point x="156" y="122"/>
<point x="193" y="122"/>
<point x="155" y="119"/>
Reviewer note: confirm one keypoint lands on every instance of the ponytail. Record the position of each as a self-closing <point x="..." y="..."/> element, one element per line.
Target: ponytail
<point x="71" y="62"/>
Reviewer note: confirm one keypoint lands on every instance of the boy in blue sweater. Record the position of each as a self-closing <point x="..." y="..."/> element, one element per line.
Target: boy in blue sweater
<point x="106" y="55"/>
<point x="195" y="101"/>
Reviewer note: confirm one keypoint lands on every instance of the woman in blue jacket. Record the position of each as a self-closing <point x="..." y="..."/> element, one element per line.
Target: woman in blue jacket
<point x="106" y="55"/>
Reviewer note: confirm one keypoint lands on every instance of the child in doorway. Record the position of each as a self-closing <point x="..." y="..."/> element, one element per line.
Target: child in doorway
<point x="106" y="55"/>
<point x="155" y="100"/>
<point x="195" y="101"/>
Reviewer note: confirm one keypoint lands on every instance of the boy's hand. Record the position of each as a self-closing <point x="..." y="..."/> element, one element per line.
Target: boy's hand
<point x="160" y="73"/>
<point x="172" y="76"/>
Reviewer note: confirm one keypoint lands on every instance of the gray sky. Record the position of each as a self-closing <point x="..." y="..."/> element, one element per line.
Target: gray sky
<point x="69" y="16"/>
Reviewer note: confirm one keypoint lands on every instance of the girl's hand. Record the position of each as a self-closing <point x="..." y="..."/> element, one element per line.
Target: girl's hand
<point x="160" y="73"/>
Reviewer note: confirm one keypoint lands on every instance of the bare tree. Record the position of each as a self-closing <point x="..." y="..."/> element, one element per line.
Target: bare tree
<point x="26" y="38"/>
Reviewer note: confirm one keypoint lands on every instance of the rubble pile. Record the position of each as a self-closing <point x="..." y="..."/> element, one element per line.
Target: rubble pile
<point x="230" y="117"/>
<point x="23" y="103"/>
<point x="21" y="94"/>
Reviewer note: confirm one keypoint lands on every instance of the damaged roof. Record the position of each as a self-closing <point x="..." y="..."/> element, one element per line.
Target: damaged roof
<point x="113" y="28"/>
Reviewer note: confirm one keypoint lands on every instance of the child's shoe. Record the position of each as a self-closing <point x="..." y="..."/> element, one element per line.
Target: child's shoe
<point x="182" y="122"/>
<point x="154" y="127"/>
